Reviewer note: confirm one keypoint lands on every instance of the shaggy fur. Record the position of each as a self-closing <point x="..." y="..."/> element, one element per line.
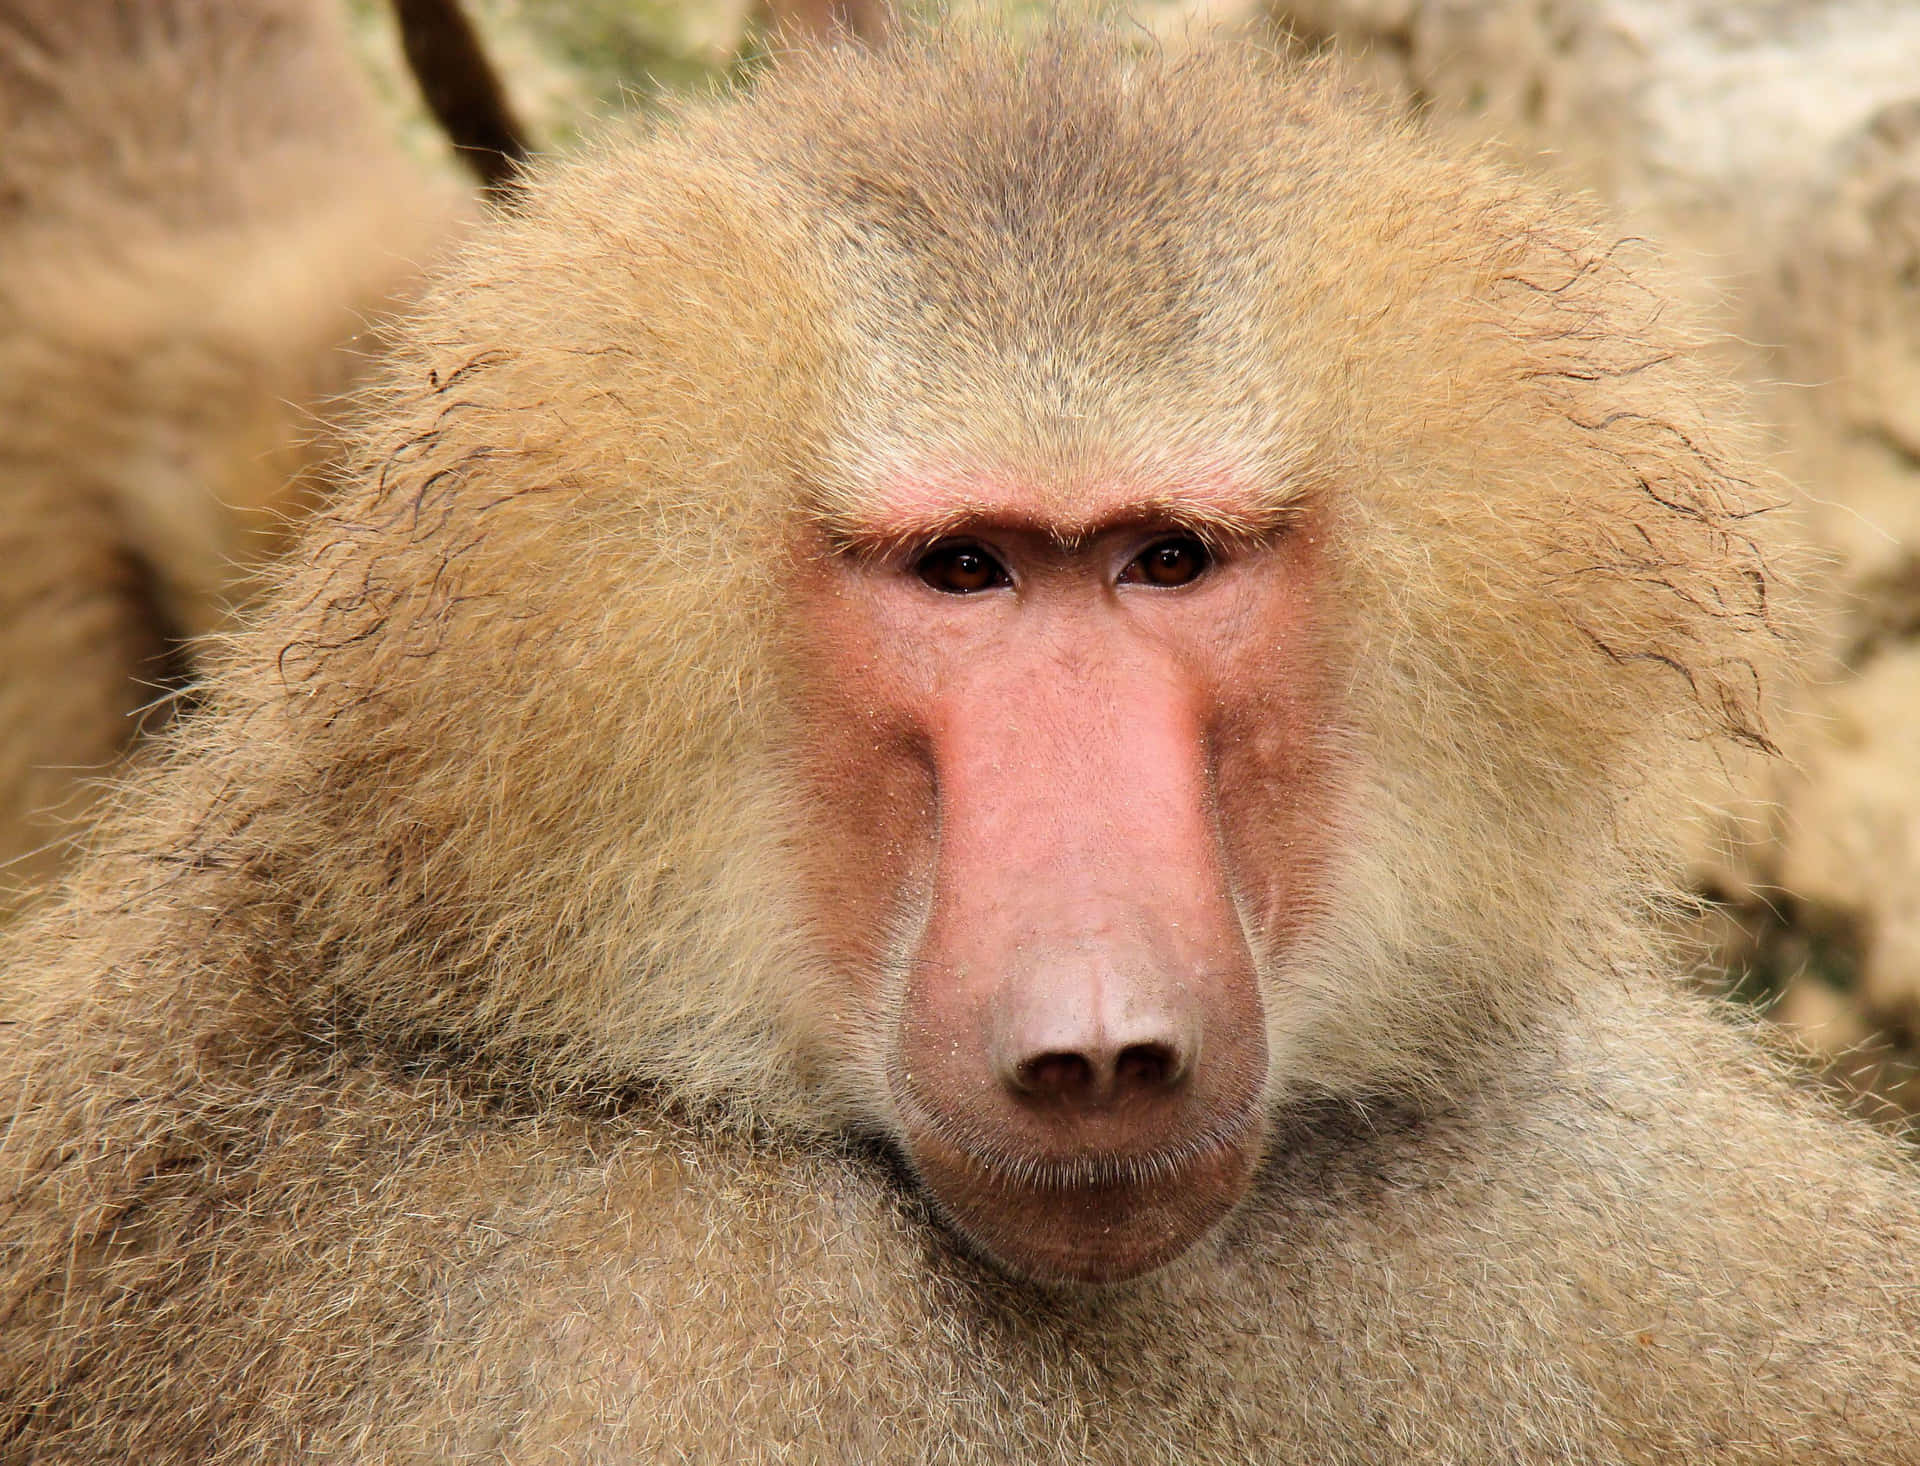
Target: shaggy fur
<point x="198" y="208"/>
<point x="440" y="1060"/>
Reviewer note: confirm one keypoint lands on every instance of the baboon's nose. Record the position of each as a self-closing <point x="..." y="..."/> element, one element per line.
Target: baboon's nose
<point x="1060" y="1050"/>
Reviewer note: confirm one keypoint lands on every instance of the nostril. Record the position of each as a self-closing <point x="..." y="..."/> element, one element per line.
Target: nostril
<point x="1099" y="1075"/>
<point x="1085" y="1037"/>
<point x="1056" y="1076"/>
<point x="1145" y="1066"/>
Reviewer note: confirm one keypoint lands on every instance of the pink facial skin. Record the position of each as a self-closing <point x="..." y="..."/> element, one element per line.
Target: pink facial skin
<point x="1073" y="745"/>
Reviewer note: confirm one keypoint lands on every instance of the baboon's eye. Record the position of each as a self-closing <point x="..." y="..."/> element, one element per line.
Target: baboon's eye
<point x="959" y="568"/>
<point x="1177" y="560"/>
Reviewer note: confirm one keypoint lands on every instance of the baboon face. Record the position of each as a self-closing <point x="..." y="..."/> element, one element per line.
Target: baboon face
<point x="1076" y="734"/>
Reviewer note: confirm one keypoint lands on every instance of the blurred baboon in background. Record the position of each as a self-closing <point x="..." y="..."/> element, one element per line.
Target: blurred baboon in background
<point x="978" y="771"/>
<point x="200" y="213"/>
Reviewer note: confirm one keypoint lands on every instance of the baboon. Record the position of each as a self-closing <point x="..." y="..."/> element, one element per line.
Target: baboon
<point x="199" y="211"/>
<point x="977" y="770"/>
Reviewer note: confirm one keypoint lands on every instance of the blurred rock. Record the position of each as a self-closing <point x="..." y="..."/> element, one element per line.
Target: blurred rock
<point x="1851" y="835"/>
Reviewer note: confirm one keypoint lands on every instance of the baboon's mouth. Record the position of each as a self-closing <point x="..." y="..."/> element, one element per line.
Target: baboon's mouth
<point x="1088" y="1218"/>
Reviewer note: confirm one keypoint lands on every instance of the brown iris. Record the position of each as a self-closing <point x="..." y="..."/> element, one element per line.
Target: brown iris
<point x="1178" y="561"/>
<point x="960" y="569"/>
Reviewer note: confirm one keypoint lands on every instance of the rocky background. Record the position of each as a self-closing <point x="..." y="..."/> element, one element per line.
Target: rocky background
<point x="1769" y="152"/>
